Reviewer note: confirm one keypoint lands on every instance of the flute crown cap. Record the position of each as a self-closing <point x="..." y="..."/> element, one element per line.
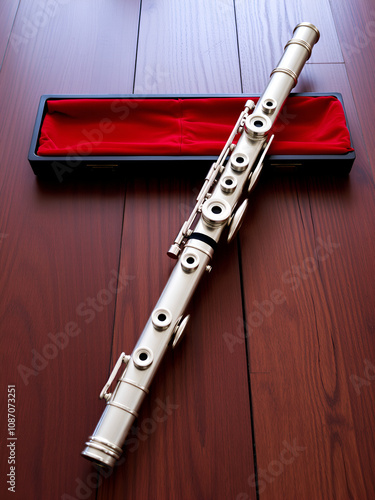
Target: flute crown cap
<point x="308" y="25"/>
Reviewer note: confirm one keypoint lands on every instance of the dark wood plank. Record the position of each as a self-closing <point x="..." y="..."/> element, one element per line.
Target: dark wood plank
<point x="308" y="347"/>
<point x="265" y="28"/>
<point x="8" y="11"/>
<point x="355" y="25"/>
<point x="60" y="248"/>
<point x="204" y="448"/>
<point x="196" y="53"/>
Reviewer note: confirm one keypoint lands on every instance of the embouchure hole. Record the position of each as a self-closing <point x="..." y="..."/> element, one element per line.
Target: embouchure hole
<point x="190" y="260"/>
<point x="239" y="159"/>
<point x="258" y="123"/>
<point x="216" y="209"/>
<point x="228" y="182"/>
<point x="143" y="356"/>
<point x="162" y="317"/>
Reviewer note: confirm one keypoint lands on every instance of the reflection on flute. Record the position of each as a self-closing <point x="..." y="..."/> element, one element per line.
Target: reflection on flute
<point x="222" y="202"/>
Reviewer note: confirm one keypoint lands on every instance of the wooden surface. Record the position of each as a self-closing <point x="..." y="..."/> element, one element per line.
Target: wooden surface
<point x="285" y="409"/>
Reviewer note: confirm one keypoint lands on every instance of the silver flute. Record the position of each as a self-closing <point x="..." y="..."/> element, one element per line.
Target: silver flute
<point x="222" y="202"/>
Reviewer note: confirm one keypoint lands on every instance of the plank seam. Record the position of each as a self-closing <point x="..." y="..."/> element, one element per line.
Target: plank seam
<point x="118" y="271"/>
<point x="137" y="45"/>
<point x="247" y="352"/>
<point x="238" y="45"/>
<point x="10" y="34"/>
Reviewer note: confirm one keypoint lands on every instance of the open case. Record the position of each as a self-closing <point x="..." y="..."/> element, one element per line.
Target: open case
<point x="77" y="134"/>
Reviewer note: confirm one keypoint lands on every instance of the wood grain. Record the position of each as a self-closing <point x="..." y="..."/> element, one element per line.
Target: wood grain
<point x="8" y="11"/>
<point x="307" y="349"/>
<point x="356" y="30"/>
<point x="289" y="410"/>
<point x="196" y="54"/>
<point x="60" y="247"/>
<point x="265" y="27"/>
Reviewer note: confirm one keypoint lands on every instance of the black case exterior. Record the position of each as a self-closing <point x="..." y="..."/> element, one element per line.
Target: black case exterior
<point x="59" y="166"/>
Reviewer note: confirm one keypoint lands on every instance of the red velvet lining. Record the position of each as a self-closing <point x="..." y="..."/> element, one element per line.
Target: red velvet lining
<point x="83" y="127"/>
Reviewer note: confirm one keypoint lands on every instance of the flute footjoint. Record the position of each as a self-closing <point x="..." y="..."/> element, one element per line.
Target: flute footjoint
<point x="231" y="178"/>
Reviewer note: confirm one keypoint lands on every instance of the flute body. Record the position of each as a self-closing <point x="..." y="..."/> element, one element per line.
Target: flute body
<point x="229" y="181"/>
